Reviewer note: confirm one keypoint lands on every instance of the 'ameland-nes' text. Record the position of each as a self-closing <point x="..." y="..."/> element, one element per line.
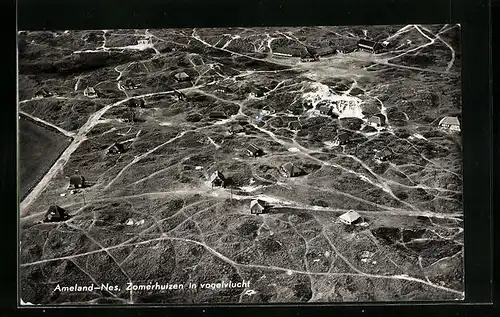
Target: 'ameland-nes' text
<point x="86" y="288"/>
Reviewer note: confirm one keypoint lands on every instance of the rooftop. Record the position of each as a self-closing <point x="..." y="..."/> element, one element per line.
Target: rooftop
<point x="449" y="121"/>
<point x="350" y="216"/>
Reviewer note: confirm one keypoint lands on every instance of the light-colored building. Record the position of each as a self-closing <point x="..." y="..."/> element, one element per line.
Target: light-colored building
<point x="376" y="121"/>
<point x="217" y="179"/>
<point x="258" y="206"/>
<point x="350" y="217"/>
<point x="90" y="92"/>
<point x="182" y="76"/>
<point x="144" y="41"/>
<point x="451" y="123"/>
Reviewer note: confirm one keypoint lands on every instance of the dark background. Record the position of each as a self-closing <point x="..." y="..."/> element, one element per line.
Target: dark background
<point x="478" y="125"/>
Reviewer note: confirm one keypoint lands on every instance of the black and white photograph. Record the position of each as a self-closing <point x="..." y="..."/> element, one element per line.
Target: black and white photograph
<point x="240" y="165"/>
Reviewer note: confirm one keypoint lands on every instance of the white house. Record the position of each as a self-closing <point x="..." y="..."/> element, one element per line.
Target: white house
<point x="349" y="217"/>
<point x="451" y="123"/>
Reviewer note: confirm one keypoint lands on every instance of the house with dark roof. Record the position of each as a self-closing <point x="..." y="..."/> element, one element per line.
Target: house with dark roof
<point x="258" y="207"/>
<point x="325" y="109"/>
<point x="294" y="125"/>
<point x="349" y="218"/>
<point x="217" y="179"/>
<point x="451" y="123"/>
<point x="369" y="46"/>
<point x="383" y="155"/>
<point x="343" y="138"/>
<point x="42" y="93"/>
<point x="128" y="115"/>
<point x="290" y="170"/>
<point x="253" y="150"/>
<point x="129" y="84"/>
<point x="116" y="148"/>
<point x="235" y="128"/>
<point x="90" y="92"/>
<point x="217" y="115"/>
<point x="376" y="121"/>
<point x="55" y="214"/>
<point x="76" y="181"/>
<point x="182" y="76"/>
<point x="180" y="95"/>
<point x="134" y="102"/>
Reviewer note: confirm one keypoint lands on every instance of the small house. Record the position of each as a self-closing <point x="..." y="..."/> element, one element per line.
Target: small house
<point x="128" y="84"/>
<point x="42" y="93"/>
<point x="128" y="115"/>
<point x="116" y="148"/>
<point x="144" y="42"/>
<point x="133" y="103"/>
<point x="253" y="150"/>
<point x="77" y="181"/>
<point x="235" y="128"/>
<point x="376" y="121"/>
<point x="258" y="91"/>
<point x="267" y="110"/>
<point x="325" y="109"/>
<point x="217" y="179"/>
<point x="182" y="77"/>
<point x="180" y="95"/>
<point x="258" y="207"/>
<point x="350" y="217"/>
<point x="290" y="170"/>
<point x="343" y="138"/>
<point x="55" y="214"/>
<point x="451" y="123"/>
<point x="90" y="92"/>
<point x="294" y="125"/>
<point x="383" y="155"/>
<point x="369" y="46"/>
<point x="217" y="115"/>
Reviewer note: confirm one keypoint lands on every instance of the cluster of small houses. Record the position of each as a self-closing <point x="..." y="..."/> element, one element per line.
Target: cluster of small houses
<point x="56" y="213"/>
<point x="128" y="84"/>
<point x="309" y="54"/>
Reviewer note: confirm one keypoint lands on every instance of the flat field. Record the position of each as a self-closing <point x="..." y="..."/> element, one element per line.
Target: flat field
<point x="39" y="148"/>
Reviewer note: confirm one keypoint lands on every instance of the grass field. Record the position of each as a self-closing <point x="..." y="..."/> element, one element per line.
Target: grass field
<point x="38" y="149"/>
